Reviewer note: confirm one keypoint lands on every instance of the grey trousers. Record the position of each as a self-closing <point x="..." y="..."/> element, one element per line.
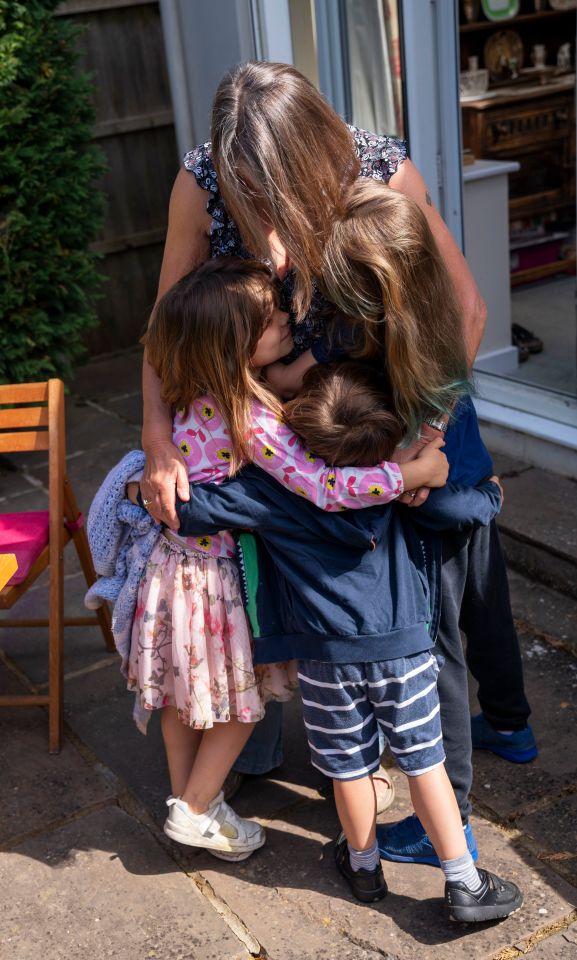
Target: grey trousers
<point x="475" y="599"/>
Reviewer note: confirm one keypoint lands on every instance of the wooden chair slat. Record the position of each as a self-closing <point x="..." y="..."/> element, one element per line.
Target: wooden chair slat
<point x="24" y="417"/>
<point x="62" y="506"/>
<point x="24" y="392"/>
<point x="24" y="442"/>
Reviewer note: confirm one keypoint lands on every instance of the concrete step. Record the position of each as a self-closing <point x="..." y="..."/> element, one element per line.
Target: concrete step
<point x="546" y="614"/>
<point x="538" y="524"/>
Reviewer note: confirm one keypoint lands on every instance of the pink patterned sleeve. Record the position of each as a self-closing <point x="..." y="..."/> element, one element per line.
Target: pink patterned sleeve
<point x="280" y="452"/>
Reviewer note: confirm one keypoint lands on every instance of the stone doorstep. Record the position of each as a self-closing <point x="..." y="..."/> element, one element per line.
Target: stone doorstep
<point x="538" y="524"/>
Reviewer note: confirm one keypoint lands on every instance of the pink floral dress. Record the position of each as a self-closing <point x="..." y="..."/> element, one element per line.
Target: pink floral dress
<point x="191" y="645"/>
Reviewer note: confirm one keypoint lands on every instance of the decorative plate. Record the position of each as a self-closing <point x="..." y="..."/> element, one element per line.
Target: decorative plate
<point x="505" y="44"/>
<point x="500" y="9"/>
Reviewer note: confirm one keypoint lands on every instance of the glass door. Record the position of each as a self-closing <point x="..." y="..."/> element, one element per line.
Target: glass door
<point x="487" y="107"/>
<point x="517" y="98"/>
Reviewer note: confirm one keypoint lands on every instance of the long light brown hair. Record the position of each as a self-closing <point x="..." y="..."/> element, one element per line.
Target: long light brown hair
<point x="382" y="268"/>
<point x="283" y="158"/>
<point x="202" y="336"/>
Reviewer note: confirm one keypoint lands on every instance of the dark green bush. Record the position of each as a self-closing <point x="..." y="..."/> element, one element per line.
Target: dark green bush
<point x="50" y="209"/>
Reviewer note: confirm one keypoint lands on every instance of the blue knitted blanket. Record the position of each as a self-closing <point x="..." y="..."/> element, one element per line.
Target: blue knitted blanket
<point x="121" y="536"/>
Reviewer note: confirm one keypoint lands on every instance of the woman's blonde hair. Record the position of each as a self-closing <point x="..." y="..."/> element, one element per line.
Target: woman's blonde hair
<point x="283" y="157"/>
<point x="382" y="268"/>
<point x="202" y="336"/>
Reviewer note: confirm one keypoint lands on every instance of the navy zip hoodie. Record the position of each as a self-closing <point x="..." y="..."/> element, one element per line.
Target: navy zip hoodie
<point x="349" y="587"/>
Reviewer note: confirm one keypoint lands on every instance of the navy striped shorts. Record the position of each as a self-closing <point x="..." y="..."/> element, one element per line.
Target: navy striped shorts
<point x="344" y="704"/>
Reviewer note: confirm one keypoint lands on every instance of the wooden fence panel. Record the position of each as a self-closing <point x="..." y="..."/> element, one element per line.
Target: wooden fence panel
<point x="122" y="47"/>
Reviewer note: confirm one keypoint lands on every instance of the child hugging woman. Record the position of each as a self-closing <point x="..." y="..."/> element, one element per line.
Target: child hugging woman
<point x="191" y="649"/>
<point x="361" y="617"/>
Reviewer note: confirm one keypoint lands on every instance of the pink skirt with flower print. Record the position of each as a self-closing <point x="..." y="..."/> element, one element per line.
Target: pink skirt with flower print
<point x="191" y="645"/>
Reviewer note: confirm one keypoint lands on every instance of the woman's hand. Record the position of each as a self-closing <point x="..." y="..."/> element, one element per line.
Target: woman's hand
<point x="164" y="476"/>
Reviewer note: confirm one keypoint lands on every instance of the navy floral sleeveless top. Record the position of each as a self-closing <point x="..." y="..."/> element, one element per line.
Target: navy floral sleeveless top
<point x="379" y="157"/>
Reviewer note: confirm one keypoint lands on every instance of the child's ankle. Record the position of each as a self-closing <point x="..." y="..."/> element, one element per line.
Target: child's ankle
<point x="198" y="804"/>
<point x="368" y="859"/>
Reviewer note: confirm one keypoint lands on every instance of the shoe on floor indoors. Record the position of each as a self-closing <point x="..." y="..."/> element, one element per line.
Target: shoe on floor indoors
<point x="407" y="842"/>
<point x="522" y="337"/>
<point x="518" y="747"/>
<point x="495" y="899"/>
<point x="367" y="885"/>
<point x="219" y="830"/>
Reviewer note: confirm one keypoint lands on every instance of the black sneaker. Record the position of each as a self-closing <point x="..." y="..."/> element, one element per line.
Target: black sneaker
<point x="367" y="885"/>
<point x="494" y="900"/>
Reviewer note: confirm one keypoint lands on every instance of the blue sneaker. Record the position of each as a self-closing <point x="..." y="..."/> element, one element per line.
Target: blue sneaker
<point x="407" y="842"/>
<point x="518" y="747"/>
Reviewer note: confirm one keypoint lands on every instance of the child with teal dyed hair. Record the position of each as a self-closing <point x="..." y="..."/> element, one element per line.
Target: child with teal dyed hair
<point x="383" y="271"/>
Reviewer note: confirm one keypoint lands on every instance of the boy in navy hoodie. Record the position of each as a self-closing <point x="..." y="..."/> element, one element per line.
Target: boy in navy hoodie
<point x="354" y="596"/>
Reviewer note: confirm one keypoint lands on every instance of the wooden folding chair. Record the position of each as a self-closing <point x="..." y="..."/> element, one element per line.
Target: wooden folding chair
<point x="32" y="418"/>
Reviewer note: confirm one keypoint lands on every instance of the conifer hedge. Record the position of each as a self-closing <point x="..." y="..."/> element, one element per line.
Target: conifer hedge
<point x="50" y="209"/>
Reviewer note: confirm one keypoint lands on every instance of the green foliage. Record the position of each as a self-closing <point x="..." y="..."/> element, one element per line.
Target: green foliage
<point x="50" y="210"/>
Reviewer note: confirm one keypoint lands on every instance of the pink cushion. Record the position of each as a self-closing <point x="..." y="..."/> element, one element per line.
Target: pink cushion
<point x="26" y="535"/>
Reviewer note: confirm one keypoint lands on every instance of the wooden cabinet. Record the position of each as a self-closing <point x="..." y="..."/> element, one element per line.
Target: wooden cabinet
<point x="533" y="124"/>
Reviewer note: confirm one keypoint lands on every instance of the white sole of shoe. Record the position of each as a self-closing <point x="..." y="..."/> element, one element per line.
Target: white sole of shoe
<point x="218" y="849"/>
<point x="233" y="857"/>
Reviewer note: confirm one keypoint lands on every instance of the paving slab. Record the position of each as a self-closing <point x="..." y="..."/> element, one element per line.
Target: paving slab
<point x="101" y="886"/>
<point x="84" y="647"/>
<point x="551" y="685"/>
<point x="295" y="870"/>
<point x="560" y="946"/>
<point x="545" y="610"/>
<point x="37" y="788"/>
<point x="99" y="710"/>
<point x="105" y="379"/>
<point x="555" y="835"/>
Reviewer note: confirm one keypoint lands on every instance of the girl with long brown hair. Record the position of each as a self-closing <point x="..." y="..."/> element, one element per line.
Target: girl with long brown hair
<point x="191" y="653"/>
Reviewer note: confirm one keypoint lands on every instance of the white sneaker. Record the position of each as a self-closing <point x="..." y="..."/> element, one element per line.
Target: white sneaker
<point x="219" y="830"/>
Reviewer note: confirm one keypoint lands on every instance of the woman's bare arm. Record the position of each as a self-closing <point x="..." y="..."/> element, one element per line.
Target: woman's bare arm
<point x="187" y="245"/>
<point x="409" y="181"/>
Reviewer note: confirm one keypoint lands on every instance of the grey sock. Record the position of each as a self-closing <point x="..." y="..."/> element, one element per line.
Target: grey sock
<point x="463" y="869"/>
<point x="364" y="859"/>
